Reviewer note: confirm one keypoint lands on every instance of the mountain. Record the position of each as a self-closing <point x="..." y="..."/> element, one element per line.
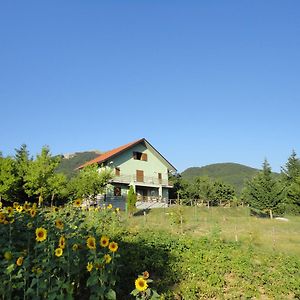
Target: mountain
<point x="232" y="173"/>
<point x="71" y="161"/>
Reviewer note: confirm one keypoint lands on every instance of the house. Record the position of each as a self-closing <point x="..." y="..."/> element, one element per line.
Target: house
<point x="138" y="164"/>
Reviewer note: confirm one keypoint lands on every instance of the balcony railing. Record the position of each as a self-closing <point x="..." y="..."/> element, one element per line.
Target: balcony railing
<point x="146" y="180"/>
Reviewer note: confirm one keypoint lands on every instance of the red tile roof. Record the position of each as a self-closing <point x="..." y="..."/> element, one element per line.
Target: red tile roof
<point x="109" y="154"/>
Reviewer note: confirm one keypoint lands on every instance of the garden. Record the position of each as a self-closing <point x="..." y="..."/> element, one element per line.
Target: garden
<point x="101" y="253"/>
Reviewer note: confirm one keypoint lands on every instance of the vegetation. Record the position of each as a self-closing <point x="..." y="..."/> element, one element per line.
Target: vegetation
<point x="63" y="253"/>
<point x="194" y="250"/>
<point x="131" y="200"/>
<point x="230" y="173"/>
<point x="264" y="192"/>
<point x="223" y="253"/>
<point x="90" y="182"/>
<point x="68" y="165"/>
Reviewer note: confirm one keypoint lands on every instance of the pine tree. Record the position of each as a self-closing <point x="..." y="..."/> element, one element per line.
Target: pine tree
<point x="290" y="180"/>
<point x="263" y="191"/>
<point x="292" y="168"/>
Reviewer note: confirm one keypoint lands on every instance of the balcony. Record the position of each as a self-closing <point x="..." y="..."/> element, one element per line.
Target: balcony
<point x="146" y="181"/>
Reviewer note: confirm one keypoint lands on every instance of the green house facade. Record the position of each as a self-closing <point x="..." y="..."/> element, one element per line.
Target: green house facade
<point x="140" y="165"/>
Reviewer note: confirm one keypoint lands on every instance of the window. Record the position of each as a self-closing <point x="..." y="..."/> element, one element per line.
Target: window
<point x="139" y="175"/>
<point x="140" y="156"/>
<point x="117" y="171"/>
<point x="117" y="191"/>
<point x="159" y="178"/>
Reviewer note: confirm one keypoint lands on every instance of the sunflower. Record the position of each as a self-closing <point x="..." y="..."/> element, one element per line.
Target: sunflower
<point x="75" y="247"/>
<point x="91" y="243"/>
<point x="62" y="242"/>
<point x="2" y="217"/>
<point x="109" y="206"/>
<point x="107" y="258"/>
<point x="19" y="208"/>
<point x="117" y="210"/>
<point x="10" y="210"/>
<point x="55" y="209"/>
<point x="58" y="252"/>
<point x="26" y="206"/>
<point x="59" y="224"/>
<point x="15" y="204"/>
<point x="8" y="255"/>
<point x="41" y="234"/>
<point x="113" y="247"/>
<point x="19" y="261"/>
<point x="104" y="241"/>
<point x="89" y="267"/>
<point x="32" y="212"/>
<point x="77" y="203"/>
<point x="141" y="284"/>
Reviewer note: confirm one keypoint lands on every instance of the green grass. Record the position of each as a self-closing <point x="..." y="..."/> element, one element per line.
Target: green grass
<point x="233" y="224"/>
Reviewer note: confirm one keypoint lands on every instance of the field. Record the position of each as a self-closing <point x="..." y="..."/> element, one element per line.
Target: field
<point x="190" y="253"/>
<point x="233" y="224"/>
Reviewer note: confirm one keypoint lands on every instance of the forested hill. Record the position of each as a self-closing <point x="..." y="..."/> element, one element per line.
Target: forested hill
<point x="70" y="162"/>
<point x="232" y="173"/>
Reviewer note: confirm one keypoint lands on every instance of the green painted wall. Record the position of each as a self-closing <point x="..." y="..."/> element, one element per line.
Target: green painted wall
<point x="128" y="165"/>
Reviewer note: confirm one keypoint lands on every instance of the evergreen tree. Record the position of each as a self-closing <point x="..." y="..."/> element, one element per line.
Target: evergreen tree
<point x="131" y="200"/>
<point x="263" y="191"/>
<point x="292" y="168"/>
<point x="290" y="181"/>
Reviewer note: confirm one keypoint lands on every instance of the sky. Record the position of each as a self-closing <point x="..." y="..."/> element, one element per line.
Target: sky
<point x="203" y="81"/>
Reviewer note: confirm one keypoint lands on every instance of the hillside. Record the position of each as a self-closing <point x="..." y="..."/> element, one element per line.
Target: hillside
<point x="70" y="162"/>
<point x="232" y="173"/>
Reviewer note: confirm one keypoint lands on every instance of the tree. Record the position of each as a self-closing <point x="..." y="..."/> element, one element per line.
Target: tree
<point x="57" y="186"/>
<point x="263" y="192"/>
<point x="290" y="180"/>
<point x="90" y="182"/>
<point x="180" y="187"/>
<point x="201" y="188"/>
<point x="39" y="173"/>
<point x="131" y="200"/>
<point x="222" y="192"/>
<point x="292" y="168"/>
<point x="22" y="161"/>
<point x="8" y="179"/>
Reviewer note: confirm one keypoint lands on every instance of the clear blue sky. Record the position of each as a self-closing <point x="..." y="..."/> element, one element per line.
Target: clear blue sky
<point x="203" y="81"/>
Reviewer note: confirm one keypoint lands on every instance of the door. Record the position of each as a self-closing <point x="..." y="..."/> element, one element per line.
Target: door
<point x="139" y="175"/>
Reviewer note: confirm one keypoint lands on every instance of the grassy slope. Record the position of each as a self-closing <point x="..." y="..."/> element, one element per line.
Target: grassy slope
<point x="231" y="173"/>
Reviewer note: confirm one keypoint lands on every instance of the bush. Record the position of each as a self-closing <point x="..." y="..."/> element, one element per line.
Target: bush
<point x="56" y="253"/>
